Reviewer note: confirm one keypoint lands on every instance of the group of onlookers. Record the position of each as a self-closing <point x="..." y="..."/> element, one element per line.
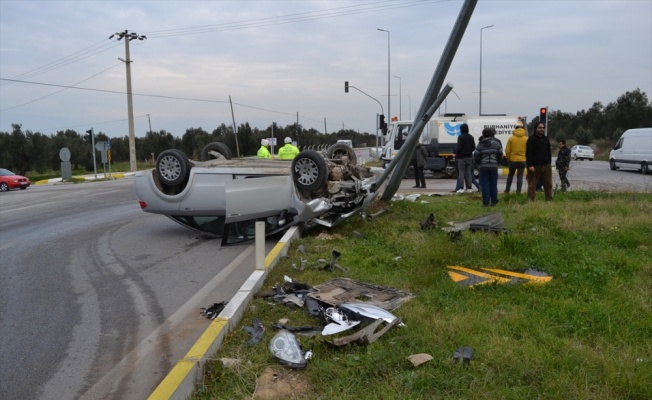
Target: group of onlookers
<point x="521" y="152"/>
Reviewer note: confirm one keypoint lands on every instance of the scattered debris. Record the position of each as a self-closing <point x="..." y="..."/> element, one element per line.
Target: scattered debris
<point x="365" y="335"/>
<point x="455" y="235"/>
<point x="357" y="234"/>
<point x="344" y="290"/>
<point x="471" y="277"/>
<point x="418" y="359"/>
<point x="255" y="331"/>
<point x="285" y="348"/>
<point x="463" y="353"/>
<point x="493" y="222"/>
<point x="213" y="311"/>
<point x="430" y="222"/>
<point x="340" y="322"/>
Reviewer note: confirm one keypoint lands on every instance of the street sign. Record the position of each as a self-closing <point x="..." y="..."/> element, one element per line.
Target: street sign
<point x="101" y="145"/>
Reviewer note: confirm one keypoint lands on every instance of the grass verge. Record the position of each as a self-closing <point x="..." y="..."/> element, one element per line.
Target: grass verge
<point x="584" y="335"/>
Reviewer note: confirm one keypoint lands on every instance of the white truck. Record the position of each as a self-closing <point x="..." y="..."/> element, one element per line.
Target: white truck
<point x="440" y="137"/>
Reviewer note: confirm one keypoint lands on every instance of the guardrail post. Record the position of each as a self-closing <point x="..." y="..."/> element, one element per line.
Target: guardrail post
<point x="260" y="245"/>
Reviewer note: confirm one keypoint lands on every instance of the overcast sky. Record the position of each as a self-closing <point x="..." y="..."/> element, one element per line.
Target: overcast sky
<point x="275" y="59"/>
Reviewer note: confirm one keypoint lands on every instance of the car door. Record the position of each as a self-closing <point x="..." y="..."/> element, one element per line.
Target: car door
<point x="251" y="197"/>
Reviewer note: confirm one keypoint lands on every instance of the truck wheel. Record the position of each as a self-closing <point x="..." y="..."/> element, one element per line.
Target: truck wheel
<point x="173" y="167"/>
<point x="215" y="151"/>
<point x="309" y="170"/>
<point x="339" y="150"/>
<point x="612" y="164"/>
<point x="644" y="168"/>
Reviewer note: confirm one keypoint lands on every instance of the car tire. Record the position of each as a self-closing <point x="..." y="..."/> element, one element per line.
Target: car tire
<point x="339" y="150"/>
<point x="3" y="187"/>
<point x="612" y="165"/>
<point x="309" y="170"/>
<point x="219" y="147"/>
<point x="644" y="168"/>
<point x="574" y="157"/>
<point x="172" y="167"/>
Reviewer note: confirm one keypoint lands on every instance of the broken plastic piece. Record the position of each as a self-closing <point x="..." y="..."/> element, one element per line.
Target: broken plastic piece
<point x="340" y="322"/>
<point x="365" y="335"/>
<point x="418" y="359"/>
<point x="463" y="353"/>
<point x="213" y="311"/>
<point x="369" y="311"/>
<point x="285" y="348"/>
<point x="255" y="331"/>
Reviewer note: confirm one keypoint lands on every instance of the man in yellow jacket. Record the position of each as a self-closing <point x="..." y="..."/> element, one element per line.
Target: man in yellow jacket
<point x="289" y="151"/>
<point x="263" y="152"/>
<point x="515" y="154"/>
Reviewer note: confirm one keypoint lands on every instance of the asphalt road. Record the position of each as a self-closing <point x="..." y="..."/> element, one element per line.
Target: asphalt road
<point x="98" y="300"/>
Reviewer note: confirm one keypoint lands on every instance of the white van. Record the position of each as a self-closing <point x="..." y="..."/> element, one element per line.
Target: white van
<point x="633" y="150"/>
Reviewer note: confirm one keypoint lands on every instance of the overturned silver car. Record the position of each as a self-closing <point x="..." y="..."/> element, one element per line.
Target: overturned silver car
<point x="225" y="196"/>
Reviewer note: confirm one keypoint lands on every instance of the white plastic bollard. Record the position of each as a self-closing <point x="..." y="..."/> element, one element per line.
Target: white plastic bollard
<point x="260" y="245"/>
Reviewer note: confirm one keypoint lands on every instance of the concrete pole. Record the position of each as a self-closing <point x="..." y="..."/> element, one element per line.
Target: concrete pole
<point x="130" y="110"/>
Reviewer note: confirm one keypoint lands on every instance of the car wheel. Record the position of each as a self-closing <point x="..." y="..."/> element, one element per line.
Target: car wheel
<point x="339" y="150"/>
<point x="575" y="157"/>
<point x="3" y="187"/>
<point x="644" y="168"/>
<point x="612" y="165"/>
<point x="309" y="170"/>
<point x="208" y="152"/>
<point x="173" y="167"/>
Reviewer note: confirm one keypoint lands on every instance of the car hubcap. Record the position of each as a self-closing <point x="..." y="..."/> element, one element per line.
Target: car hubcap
<point x="169" y="167"/>
<point x="306" y="170"/>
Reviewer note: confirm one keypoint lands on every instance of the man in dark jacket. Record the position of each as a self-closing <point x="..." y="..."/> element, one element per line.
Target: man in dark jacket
<point x="538" y="158"/>
<point x="487" y="156"/>
<point x="563" y="164"/>
<point x="464" y="157"/>
<point x="418" y="163"/>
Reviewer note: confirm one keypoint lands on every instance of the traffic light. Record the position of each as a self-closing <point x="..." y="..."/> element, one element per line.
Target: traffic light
<point x="89" y="137"/>
<point x="346" y="86"/>
<point x="382" y="124"/>
<point x="543" y="115"/>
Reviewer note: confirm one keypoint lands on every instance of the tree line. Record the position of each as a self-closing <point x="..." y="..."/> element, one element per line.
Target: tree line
<point x="24" y="151"/>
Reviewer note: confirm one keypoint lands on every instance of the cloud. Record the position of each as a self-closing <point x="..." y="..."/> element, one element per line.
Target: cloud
<point x="279" y="58"/>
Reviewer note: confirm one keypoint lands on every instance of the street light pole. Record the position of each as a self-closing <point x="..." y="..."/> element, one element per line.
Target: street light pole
<point x="130" y="107"/>
<point x="481" y="29"/>
<point x="400" y="98"/>
<point x="389" y="114"/>
<point x="410" y="108"/>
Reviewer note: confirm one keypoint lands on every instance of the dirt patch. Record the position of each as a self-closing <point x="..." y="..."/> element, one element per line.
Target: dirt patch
<point x="282" y="383"/>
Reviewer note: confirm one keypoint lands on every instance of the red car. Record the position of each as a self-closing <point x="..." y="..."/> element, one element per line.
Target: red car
<point x="9" y="180"/>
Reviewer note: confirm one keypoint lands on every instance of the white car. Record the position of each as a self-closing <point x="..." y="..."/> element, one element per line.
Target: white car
<point x="226" y="197"/>
<point x="580" y="152"/>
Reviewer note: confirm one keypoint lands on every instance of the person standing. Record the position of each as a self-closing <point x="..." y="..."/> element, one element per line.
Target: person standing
<point x="487" y="156"/>
<point x="515" y="154"/>
<point x="563" y="164"/>
<point x="263" y="152"/>
<point x="418" y="163"/>
<point x="464" y="156"/>
<point x="538" y="158"/>
<point x="289" y="151"/>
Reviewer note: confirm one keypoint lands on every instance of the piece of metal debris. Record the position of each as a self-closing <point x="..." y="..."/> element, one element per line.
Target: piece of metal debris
<point x="463" y="353"/>
<point x="366" y="335"/>
<point x="255" y="331"/>
<point x="430" y="222"/>
<point x="418" y="359"/>
<point x="344" y="290"/>
<point x="213" y="311"/>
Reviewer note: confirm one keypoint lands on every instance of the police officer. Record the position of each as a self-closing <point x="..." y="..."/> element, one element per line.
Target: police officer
<point x="289" y="151"/>
<point x="263" y="152"/>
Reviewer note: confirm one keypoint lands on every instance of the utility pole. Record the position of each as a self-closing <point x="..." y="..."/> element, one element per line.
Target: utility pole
<point x="150" y="123"/>
<point x="130" y="107"/>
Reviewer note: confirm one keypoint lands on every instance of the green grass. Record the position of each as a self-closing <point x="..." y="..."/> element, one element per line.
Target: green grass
<point x="585" y="335"/>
